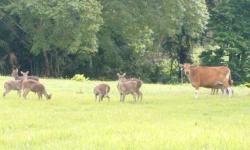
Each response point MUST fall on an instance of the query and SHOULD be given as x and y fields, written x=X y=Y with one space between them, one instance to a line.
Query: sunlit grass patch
x=168 y=118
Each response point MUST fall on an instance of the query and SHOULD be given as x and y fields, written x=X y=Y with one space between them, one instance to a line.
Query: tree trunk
x=47 y=66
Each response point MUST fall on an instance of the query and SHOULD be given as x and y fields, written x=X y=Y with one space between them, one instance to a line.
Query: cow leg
x=225 y=91
x=230 y=91
x=222 y=90
x=217 y=91
x=212 y=91
x=196 y=93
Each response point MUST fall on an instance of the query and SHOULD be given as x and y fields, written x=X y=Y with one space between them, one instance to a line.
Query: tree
x=230 y=27
x=59 y=25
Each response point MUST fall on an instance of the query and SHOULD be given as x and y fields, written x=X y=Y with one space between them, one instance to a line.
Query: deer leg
x=134 y=96
x=123 y=97
x=5 y=92
x=140 y=95
x=99 y=98
x=40 y=95
x=19 y=93
x=95 y=97
x=25 y=93
x=102 y=96
x=108 y=98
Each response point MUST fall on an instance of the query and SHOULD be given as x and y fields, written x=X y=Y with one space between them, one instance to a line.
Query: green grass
x=168 y=118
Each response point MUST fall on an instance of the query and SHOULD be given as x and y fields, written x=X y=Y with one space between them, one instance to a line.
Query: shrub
x=79 y=77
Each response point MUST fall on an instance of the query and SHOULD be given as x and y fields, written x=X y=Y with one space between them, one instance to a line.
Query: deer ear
x=118 y=74
x=22 y=72
x=181 y=65
x=27 y=72
x=124 y=74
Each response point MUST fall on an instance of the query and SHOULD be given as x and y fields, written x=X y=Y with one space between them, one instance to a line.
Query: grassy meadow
x=168 y=118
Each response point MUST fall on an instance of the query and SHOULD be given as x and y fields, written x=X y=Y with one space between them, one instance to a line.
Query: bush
x=79 y=77
x=247 y=85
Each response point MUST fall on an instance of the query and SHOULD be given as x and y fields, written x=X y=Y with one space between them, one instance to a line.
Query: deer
x=34 y=86
x=17 y=77
x=10 y=85
x=15 y=85
x=101 y=91
x=128 y=86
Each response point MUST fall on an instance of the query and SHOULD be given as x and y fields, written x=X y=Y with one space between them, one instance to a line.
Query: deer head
x=121 y=77
x=25 y=75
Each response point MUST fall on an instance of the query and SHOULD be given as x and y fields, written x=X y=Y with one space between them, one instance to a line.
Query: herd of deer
x=27 y=83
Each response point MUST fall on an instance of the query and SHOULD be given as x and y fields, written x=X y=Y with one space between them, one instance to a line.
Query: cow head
x=186 y=67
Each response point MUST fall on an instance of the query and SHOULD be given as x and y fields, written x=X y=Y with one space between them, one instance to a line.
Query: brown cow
x=208 y=77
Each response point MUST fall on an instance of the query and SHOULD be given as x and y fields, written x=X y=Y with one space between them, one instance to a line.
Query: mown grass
x=168 y=118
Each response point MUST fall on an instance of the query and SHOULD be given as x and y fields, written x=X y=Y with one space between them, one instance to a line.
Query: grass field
x=168 y=118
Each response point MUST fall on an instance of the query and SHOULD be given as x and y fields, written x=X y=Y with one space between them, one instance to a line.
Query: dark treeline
x=146 y=39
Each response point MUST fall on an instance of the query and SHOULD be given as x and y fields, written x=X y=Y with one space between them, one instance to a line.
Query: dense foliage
x=146 y=39
x=230 y=42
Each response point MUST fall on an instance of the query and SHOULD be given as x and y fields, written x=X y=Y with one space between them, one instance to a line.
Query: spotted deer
x=129 y=86
x=36 y=87
x=14 y=85
x=101 y=91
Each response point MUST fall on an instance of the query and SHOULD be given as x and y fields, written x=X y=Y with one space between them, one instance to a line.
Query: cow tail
x=230 y=81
